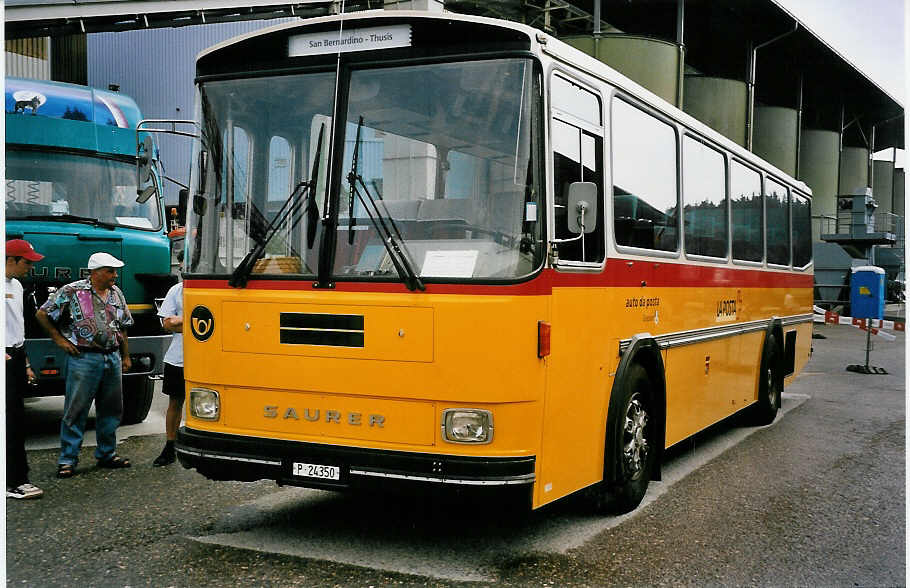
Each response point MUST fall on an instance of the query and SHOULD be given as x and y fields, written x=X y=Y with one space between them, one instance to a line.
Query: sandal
x=65 y=470
x=114 y=463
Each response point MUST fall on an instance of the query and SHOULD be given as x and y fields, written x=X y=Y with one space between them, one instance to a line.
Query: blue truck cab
x=72 y=189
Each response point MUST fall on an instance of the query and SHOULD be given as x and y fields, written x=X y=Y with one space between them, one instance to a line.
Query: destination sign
x=369 y=39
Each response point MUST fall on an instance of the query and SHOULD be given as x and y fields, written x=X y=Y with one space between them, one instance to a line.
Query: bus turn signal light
x=543 y=339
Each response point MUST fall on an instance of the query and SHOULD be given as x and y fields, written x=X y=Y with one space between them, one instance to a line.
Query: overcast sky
x=869 y=33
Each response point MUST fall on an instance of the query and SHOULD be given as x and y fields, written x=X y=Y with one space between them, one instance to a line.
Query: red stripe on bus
x=633 y=273
x=619 y=273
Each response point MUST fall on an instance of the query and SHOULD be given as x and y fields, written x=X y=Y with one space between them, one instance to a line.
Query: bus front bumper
x=219 y=456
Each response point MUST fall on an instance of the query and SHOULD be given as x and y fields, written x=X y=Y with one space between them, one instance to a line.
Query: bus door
x=576 y=399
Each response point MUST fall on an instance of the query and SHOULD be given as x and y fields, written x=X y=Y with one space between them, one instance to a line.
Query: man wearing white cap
x=89 y=319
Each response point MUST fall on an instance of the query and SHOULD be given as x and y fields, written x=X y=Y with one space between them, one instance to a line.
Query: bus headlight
x=205 y=404
x=467 y=425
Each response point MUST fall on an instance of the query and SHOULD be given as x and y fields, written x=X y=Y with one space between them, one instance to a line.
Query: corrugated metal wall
x=155 y=67
x=28 y=58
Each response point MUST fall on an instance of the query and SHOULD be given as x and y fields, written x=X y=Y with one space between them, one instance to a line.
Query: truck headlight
x=467 y=425
x=205 y=404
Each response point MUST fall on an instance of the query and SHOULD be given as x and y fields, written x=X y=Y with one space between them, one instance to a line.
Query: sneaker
x=24 y=491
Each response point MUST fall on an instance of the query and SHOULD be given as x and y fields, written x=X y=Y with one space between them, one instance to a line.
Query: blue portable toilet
x=867 y=292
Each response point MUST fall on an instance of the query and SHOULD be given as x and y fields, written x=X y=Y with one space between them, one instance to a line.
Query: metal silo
x=818 y=159
x=899 y=207
x=653 y=63
x=854 y=170
x=720 y=103
x=775 y=136
x=882 y=184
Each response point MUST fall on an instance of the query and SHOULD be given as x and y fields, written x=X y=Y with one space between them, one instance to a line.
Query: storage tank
x=720 y=103
x=882 y=184
x=818 y=157
x=899 y=196
x=774 y=138
x=653 y=63
x=854 y=170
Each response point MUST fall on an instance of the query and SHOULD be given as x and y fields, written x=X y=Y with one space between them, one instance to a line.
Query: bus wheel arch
x=637 y=409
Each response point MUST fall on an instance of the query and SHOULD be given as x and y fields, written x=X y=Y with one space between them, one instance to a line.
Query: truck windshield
x=442 y=157
x=44 y=185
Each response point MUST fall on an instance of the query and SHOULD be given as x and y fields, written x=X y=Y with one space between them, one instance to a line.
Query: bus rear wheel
x=137 y=399
x=634 y=454
x=769 y=389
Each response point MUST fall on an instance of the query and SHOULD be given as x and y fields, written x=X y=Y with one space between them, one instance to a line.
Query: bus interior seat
x=624 y=230
x=444 y=217
x=401 y=210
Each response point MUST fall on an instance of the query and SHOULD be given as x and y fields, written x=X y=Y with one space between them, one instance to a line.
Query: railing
x=825 y=224
x=887 y=222
x=884 y=222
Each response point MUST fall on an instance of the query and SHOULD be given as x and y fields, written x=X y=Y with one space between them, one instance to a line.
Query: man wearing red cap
x=20 y=255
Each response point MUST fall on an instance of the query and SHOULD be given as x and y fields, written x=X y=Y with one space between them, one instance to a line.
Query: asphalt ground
x=815 y=499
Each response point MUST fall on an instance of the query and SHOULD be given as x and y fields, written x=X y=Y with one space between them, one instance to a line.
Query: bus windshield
x=442 y=158
x=47 y=185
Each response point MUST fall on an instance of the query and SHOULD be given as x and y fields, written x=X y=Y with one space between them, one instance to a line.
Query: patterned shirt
x=85 y=320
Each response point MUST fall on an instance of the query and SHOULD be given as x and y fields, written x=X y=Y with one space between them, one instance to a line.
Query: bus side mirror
x=582 y=209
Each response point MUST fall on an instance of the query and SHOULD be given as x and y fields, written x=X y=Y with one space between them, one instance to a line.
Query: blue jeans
x=91 y=376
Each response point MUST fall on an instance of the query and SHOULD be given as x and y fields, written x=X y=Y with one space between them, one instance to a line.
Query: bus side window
x=777 y=205
x=746 y=203
x=704 y=199
x=801 y=234
x=577 y=157
x=645 y=209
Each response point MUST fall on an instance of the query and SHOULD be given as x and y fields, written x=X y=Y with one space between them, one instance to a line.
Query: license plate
x=315 y=470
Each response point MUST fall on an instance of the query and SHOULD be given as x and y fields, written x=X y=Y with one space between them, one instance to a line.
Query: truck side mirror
x=582 y=208
x=182 y=197
x=144 y=157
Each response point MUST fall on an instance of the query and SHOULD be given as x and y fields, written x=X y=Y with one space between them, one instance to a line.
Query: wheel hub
x=772 y=392
x=635 y=440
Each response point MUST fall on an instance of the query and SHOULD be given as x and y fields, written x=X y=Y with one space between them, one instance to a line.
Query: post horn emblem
x=202 y=323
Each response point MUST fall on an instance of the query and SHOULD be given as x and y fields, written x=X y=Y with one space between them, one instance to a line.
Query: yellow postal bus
x=448 y=250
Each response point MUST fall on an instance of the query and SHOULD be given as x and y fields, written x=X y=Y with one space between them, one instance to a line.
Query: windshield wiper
x=300 y=197
x=68 y=218
x=393 y=246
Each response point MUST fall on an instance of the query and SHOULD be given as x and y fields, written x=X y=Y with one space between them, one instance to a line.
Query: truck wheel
x=636 y=450
x=769 y=389
x=137 y=399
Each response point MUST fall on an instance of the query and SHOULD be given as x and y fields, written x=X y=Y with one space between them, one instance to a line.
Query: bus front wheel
x=633 y=456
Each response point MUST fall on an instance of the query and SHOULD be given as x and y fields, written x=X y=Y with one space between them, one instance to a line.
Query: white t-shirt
x=15 y=321
x=173 y=306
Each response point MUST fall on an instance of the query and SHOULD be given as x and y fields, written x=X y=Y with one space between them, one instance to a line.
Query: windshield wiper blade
x=352 y=179
x=403 y=264
x=300 y=197
x=241 y=273
x=69 y=218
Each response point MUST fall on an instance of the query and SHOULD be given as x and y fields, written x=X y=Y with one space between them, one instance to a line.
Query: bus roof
x=40 y=112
